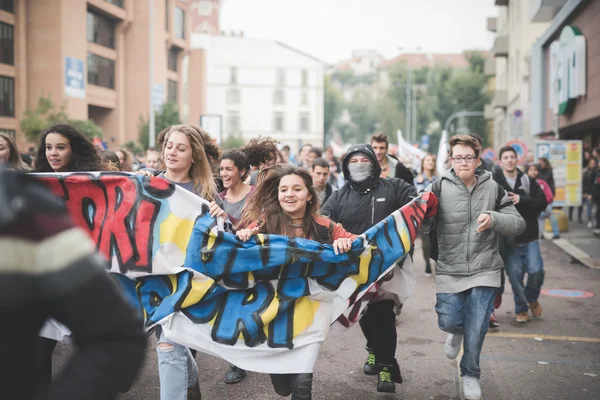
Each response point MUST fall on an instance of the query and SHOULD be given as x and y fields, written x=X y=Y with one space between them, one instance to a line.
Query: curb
x=576 y=253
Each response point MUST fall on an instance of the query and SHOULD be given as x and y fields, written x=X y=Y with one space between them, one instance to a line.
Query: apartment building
x=94 y=56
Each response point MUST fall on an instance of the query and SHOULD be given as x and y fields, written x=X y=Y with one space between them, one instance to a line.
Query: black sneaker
x=370 y=367
x=282 y=383
x=384 y=381
x=235 y=375
x=428 y=270
x=194 y=393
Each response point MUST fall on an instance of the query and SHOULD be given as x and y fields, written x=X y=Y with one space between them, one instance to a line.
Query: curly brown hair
x=263 y=206
x=261 y=150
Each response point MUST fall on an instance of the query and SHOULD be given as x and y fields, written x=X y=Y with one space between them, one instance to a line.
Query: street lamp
x=412 y=135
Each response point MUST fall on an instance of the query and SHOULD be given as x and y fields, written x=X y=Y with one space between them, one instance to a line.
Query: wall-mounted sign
x=565 y=156
x=567 y=70
x=74 y=78
x=516 y=123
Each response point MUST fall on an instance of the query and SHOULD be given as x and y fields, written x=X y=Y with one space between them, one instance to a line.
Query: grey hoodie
x=461 y=250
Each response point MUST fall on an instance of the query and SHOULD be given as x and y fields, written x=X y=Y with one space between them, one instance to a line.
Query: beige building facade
x=94 y=57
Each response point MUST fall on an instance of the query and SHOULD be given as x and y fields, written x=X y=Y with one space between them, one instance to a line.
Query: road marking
x=545 y=337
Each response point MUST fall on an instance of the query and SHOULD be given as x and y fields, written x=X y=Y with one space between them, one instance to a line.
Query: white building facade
x=261 y=87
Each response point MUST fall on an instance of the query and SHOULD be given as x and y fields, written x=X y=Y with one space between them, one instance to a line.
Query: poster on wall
x=565 y=157
x=74 y=78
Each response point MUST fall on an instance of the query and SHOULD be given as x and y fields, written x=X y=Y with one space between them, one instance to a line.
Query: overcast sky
x=331 y=29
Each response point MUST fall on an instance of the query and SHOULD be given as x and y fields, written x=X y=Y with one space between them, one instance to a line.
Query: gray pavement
x=556 y=357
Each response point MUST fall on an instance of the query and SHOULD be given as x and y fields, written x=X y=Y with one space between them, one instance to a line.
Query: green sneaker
x=370 y=367
x=384 y=381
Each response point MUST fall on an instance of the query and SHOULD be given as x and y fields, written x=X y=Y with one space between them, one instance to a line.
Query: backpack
x=547 y=191
x=436 y=188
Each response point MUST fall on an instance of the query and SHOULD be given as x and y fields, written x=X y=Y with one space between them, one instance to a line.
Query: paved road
x=569 y=351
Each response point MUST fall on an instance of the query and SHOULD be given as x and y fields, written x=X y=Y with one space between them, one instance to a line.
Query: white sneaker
x=453 y=345
x=471 y=388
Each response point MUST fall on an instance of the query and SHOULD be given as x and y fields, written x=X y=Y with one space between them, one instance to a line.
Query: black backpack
x=436 y=188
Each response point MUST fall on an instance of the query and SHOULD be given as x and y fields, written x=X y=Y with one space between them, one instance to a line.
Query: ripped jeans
x=177 y=370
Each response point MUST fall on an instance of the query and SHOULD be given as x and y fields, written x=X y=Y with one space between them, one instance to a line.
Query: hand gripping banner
x=264 y=305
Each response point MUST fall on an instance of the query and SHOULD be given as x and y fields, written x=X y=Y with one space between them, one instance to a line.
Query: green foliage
x=45 y=114
x=233 y=142
x=333 y=104
x=167 y=115
x=134 y=148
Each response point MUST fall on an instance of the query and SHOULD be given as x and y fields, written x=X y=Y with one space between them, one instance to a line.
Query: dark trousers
x=298 y=385
x=42 y=373
x=597 y=203
x=579 y=213
x=379 y=327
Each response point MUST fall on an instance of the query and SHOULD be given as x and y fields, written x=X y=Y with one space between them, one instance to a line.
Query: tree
x=333 y=105
x=45 y=114
x=233 y=142
x=167 y=115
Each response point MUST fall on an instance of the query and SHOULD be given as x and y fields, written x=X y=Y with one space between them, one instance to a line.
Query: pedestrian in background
x=390 y=166
x=427 y=176
x=125 y=160
x=470 y=219
x=533 y=172
x=320 y=174
x=594 y=194
x=588 y=177
x=9 y=153
x=261 y=153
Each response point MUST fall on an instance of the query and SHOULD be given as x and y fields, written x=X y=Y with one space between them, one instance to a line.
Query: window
x=280 y=77
x=167 y=15
x=100 y=30
x=304 y=100
x=279 y=97
x=233 y=96
x=101 y=71
x=304 y=122
x=172 y=91
x=179 y=23
x=172 y=58
x=118 y=3
x=7 y=97
x=233 y=78
x=7 y=48
x=10 y=132
x=233 y=123
x=278 y=122
x=7 y=5
x=304 y=78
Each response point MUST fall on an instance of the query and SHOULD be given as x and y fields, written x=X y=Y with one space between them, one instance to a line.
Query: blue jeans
x=520 y=260
x=467 y=313
x=553 y=221
x=177 y=370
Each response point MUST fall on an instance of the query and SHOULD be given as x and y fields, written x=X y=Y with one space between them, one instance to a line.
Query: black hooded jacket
x=531 y=203
x=360 y=205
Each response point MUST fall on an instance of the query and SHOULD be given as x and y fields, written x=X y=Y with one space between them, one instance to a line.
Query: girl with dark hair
x=285 y=203
x=125 y=160
x=9 y=153
x=63 y=148
x=545 y=173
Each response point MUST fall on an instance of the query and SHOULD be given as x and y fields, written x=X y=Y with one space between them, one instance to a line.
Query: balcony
x=489 y=67
x=501 y=2
x=545 y=10
x=500 y=99
x=500 y=48
x=492 y=22
x=488 y=111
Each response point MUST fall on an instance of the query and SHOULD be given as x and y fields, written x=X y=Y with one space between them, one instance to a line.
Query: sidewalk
x=580 y=243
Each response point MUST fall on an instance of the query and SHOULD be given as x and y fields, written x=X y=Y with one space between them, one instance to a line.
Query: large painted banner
x=264 y=305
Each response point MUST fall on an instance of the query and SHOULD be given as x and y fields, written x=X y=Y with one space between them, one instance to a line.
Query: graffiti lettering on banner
x=272 y=296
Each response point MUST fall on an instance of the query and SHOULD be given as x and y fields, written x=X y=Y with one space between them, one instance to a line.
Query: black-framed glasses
x=467 y=159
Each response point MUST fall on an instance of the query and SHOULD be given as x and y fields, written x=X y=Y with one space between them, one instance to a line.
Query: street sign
x=489 y=154
x=520 y=148
x=74 y=78
x=565 y=157
x=425 y=142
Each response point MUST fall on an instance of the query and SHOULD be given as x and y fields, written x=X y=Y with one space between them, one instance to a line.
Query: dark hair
x=27 y=159
x=505 y=149
x=320 y=162
x=465 y=140
x=317 y=151
x=477 y=137
x=260 y=150
x=532 y=166
x=83 y=153
x=380 y=138
x=303 y=146
x=110 y=158
x=152 y=148
x=546 y=163
x=263 y=206
x=240 y=160
x=285 y=148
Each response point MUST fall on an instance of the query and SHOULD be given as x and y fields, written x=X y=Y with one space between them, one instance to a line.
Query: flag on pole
x=442 y=153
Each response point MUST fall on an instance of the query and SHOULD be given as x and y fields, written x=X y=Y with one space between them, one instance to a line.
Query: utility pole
x=414 y=113
x=408 y=103
x=151 y=129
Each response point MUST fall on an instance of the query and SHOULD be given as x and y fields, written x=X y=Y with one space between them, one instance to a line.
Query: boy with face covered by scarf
x=362 y=202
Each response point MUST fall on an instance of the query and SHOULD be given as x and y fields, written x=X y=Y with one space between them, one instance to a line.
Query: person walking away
x=594 y=196
x=362 y=202
x=320 y=174
x=533 y=172
x=523 y=253
x=469 y=220
x=187 y=166
x=588 y=203
x=43 y=275
x=285 y=203
x=547 y=176
x=427 y=176
x=390 y=166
